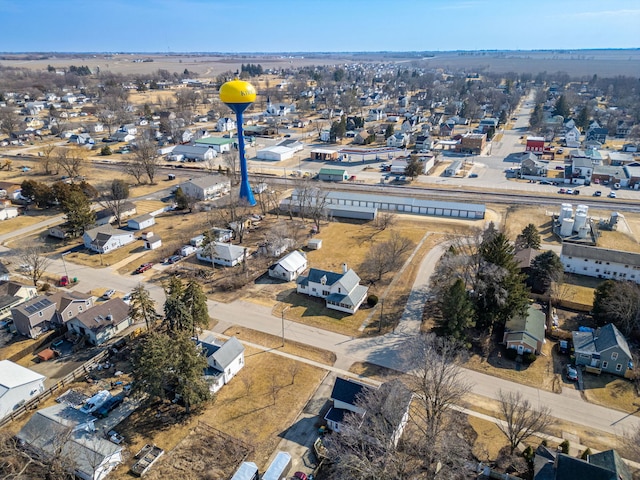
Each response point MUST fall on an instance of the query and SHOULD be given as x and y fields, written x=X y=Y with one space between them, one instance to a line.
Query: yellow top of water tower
x=237 y=91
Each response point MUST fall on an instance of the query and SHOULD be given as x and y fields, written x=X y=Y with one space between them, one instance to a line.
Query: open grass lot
x=254 y=408
x=612 y=392
x=519 y=217
x=275 y=343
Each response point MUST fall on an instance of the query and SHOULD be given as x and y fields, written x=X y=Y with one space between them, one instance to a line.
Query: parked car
x=562 y=190
x=108 y=406
x=473 y=175
x=597 y=193
x=560 y=150
x=144 y=267
x=108 y=294
x=174 y=259
x=612 y=195
x=571 y=372
x=300 y=475
x=576 y=192
x=569 y=191
x=545 y=182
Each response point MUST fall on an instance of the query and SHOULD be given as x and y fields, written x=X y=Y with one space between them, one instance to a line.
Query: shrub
x=529 y=358
x=372 y=300
x=585 y=454
x=528 y=453
x=511 y=353
x=106 y=150
x=564 y=447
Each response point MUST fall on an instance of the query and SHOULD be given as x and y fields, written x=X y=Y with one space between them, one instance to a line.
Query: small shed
x=152 y=242
x=187 y=250
x=332 y=174
x=314 y=244
x=279 y=468
x=453 y=169
x=141 y=222
x=46 y=354
x=246 y=471
x=324 y=154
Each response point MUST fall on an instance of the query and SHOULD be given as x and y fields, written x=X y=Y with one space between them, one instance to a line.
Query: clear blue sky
x=315 y=25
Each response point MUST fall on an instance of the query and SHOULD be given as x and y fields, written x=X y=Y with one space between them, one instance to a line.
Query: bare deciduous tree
x=521 y=420
x=9 y=120
x=232 y=162
x=385 y=220
x=37 y=262
x=233 y=212
x=69 y=160
x=115 y=198
x=386 y=257
x=47 y=158
x=147 y=157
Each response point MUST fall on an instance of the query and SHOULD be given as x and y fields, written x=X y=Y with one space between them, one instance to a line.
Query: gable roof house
x=205 y=188
x=62 y=429
x=549 y=464
x=530 y=165
x=605 y=349
x=18 y=384
x=341 y=291
x=597 y=134
x=69 y=304
x=393 y=403
x=572 y=138
x=289 y=267
x=105 y=239
x=525 y=333
x=224 y=254
x=398 y=140
x=13 y=294
x=34 y=317
x=225 y=360
x=101 y=322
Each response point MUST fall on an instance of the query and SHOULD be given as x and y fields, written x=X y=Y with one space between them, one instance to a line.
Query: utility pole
x=283 y=310
x=381 y=313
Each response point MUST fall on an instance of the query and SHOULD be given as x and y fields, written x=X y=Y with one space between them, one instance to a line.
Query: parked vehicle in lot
x=569 y=191
x=597 y=193
x=108 y=294
x=108 y=406
x=612 y=195
x=576 y=192
x=572 y=373
x=144 y=267
x=560 y=150
x=562 y=190
x=300 y=475
x=473 y=175
x=174 y=259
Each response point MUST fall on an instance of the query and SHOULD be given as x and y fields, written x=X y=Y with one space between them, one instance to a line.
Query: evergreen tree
x=196 y=302
x=389 y=131
x=413 y=168
x=535 y=121
x=561 y=107
x=544 y=269
x=582 y=121
x=182 y=202
x=188 y=372
x=142 y=306
x=77 y=208
x=457 y=311
x=529 y=238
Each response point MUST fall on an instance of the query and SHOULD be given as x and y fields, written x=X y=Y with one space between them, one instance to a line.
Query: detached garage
x=141 y=222
x=276 y=153
x=332 y=174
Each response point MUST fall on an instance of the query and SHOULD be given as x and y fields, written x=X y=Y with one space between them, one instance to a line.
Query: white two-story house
x=341 y=291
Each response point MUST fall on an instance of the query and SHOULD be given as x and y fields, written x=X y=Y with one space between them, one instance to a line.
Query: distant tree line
x=251 y=70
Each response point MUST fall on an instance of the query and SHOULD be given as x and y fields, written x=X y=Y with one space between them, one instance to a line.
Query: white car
x=108 y=294
x=612 y=194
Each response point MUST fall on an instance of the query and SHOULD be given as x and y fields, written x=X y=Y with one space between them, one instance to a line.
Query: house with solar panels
x=34 y=317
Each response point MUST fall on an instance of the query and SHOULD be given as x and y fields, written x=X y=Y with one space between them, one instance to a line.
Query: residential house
x=362 y=137
x=531 y=166
x=34 y=317
x=224 y=254
x=206 y=188
x=394 y=403
x=487 y=124
x=572 y=138
x=525 y=333
x=142 y=222
x=341 y=291
x=535 y=145
x=325 y=135
x=447 y=129
x=581 y=170
x=375 y=115
x=58 y=231
x=398 y=140
x=13 y=294
x=69 y=304
x=81 y=139
x=332 y=174
x=105 y=239
x=121 y=136
x=101 y=322
x=18 y=385
x=597 y=134
x=106 y=215
x=551 y=464
x=224 y=359
x=623 y=128
x=290 y=266
x=424 y=142
x=279 y=109
x=604 y=348
x=600 y=262
x=64 y=430
x=226 y=124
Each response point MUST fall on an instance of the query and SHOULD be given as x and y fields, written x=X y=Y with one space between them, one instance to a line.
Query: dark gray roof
x=601 y=340
x=35 y=305
x=569 y=468
x=97 y=317
x=610 y=460
x=602 y=254
x=347 y=390
x=3 y=269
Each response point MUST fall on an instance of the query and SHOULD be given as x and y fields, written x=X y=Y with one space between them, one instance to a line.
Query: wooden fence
x=70 y=378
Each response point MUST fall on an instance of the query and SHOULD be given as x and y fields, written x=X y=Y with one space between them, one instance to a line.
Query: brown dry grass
x=618 y=241
x=612 y=392
x=517 y=218
x=275 y=343
x=539 y=374
x=254 y=410
x=489 y=440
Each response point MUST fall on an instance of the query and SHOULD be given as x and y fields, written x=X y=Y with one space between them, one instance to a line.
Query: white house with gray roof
x=64 y=430
x=600 y=262
x=289 y=267
x=205 y=188
x=341 y=291
x=604 y=348
x=18 y=384
x=224 y=360
x=105 y=238
x=224 y=254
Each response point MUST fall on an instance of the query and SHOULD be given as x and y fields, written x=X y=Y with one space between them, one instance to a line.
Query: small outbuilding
x=289 y=267
x=314 y=244
x=141 y=222
x=332 y=174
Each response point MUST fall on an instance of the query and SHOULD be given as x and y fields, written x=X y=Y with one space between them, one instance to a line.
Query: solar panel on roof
x=39 y=305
